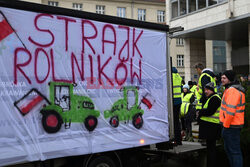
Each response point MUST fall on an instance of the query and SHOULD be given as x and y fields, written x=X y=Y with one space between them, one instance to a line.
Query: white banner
x=71 y=86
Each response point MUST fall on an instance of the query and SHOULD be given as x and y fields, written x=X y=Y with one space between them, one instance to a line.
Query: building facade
x=216 y=33
x=144 y=10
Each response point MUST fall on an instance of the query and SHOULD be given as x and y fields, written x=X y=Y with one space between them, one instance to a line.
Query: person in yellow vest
x=187 y=112
x=206 y=76
x=177 y=81
x=209 y=126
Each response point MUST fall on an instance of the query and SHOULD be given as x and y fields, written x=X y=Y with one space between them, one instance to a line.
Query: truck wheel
x=51 y=121
x=102 y=161
x=90 y=123
x=137 y=120
x=114 y=121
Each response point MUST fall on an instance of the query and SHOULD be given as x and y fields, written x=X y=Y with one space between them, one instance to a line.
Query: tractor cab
x=130 y=97
x=62 y=96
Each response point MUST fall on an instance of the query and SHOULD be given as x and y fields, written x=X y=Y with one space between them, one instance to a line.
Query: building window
x=192 y=6
x=179 y=41
x=212 y=2
x=77 y=6
x=100 y=9
x=175 y=9
x=160 y=16
x=219 y=56
x=201 y=4
x=52 y=3
x=180 y=60
x=121 y=12
x=183 y=7
x=142 y=14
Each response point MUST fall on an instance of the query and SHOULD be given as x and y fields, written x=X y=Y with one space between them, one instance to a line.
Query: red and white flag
x=30 y=101
x=5 y=28
x=148 y=100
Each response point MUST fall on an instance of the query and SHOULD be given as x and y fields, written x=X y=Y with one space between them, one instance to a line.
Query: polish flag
x=5 y=28
x=32 y=100
x=148 y=100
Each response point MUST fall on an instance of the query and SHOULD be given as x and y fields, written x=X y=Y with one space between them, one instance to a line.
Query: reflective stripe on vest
x=215 y=117
x=176 y=85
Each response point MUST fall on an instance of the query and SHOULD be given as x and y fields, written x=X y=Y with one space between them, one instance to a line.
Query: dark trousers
x=189 y=118
x=231 y=137
x=177 y=127
x=211 y=153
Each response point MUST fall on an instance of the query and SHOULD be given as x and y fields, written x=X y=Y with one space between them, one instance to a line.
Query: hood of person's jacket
x=208 y=71
x=238 y=87
x=174 y=70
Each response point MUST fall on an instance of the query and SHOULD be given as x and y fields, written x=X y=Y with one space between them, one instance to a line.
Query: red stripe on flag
x=5 y=29
x=31 y=104
x=147 y=102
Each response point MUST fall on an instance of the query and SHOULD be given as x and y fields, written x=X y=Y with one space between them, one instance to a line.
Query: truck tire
x=51 y=121
x=114 y=121
x=90 y=123
x=101 y=161
x=137 y=121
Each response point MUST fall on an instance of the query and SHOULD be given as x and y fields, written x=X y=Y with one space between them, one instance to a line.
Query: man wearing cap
x=210 y=128
x=232 y=117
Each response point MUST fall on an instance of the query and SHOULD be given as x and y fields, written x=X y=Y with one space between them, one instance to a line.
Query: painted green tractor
x=65 y=107
x=123 y=110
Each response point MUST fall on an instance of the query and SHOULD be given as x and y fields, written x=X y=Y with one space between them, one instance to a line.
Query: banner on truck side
x=71 y=86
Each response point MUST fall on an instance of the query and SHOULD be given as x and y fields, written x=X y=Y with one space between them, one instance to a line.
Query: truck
x=108 y=80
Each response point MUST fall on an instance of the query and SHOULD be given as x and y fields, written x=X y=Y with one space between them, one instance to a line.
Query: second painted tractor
x=125 y=110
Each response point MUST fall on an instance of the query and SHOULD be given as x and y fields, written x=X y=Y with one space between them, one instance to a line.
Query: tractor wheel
x=90 y=123
x=51 y=121
x=137 y=120
x=114 y=121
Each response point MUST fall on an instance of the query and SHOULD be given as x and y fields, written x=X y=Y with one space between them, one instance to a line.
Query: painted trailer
x=90 y=66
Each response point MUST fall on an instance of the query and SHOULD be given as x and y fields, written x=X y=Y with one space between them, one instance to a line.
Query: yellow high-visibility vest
x=193 y=89
x=215 y=117
x=185 y=103
x=199 y=93
x=176 y=85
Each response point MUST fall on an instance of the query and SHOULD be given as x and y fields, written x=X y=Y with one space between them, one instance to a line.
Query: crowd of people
x=217 y=103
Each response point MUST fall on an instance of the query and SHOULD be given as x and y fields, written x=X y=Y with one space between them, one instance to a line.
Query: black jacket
x=209 y=130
